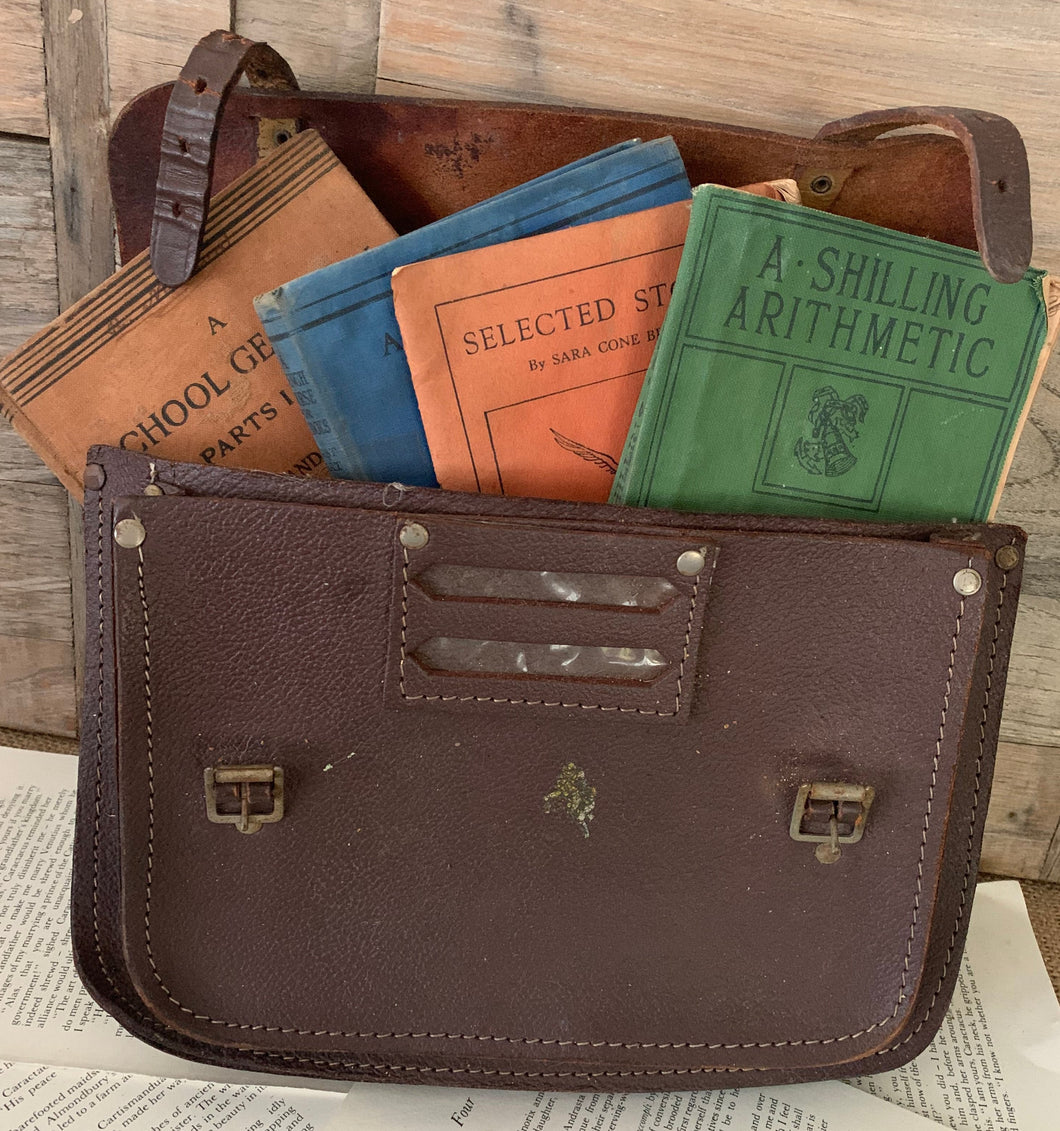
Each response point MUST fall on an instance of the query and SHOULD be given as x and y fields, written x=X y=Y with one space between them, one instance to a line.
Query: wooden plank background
x=71 y=65
x=22 y=103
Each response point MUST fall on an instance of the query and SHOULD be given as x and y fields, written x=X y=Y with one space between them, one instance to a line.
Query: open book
x=65 y=1064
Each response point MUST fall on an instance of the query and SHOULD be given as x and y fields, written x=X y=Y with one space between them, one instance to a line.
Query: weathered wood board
x=36 y=643
x=23 y=109
x=149 y=40
x=1022 y=837
x=28 y=291
x=330 y=46
x=18 y=464
x=1032 y=500
x=75 y=42
x=790 y=66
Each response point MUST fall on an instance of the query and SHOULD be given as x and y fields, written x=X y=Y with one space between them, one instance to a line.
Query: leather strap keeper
x=189 y=142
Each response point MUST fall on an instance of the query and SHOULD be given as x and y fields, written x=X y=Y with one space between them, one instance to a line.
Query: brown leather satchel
x=755 y=867
x=542 y=794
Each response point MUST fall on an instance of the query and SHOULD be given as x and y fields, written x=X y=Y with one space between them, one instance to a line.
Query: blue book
x=337 y=337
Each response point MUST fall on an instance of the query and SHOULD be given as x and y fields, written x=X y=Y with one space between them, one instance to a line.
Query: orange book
x=528 y=357
x=188 y=372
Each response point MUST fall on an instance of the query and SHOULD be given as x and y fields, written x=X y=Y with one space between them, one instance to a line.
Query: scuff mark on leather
x=460 y=153
x=331 y=765
x=576 y=796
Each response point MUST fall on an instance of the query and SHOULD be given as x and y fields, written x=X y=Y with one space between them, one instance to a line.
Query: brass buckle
x=243 y=777
x=838 y=794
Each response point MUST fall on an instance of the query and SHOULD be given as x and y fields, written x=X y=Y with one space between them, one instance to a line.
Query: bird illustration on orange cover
x=583 y=451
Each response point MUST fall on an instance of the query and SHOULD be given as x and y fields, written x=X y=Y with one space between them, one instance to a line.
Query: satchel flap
x=518 y=892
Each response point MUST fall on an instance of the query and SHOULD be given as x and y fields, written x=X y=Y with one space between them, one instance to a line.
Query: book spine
x=1050 y=292
x=312 y=394
x=632 y=479
x=622 y=488
x=630 y=487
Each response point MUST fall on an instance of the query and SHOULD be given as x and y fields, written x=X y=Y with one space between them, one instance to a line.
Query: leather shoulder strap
x=1000 y=180
x=1001 y=183
x=189 y=140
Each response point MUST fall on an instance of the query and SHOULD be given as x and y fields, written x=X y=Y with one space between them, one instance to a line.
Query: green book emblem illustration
x=835 y=425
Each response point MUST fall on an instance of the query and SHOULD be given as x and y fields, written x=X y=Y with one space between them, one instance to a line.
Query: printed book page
x=46 y=1015
x=38 y=1096
x=796 y=1107
x=995 y=1064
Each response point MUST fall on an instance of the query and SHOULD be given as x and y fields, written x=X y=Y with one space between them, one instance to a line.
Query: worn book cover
x=338 y=338
x=187 y=372
x=527 y=357
x=811 y=364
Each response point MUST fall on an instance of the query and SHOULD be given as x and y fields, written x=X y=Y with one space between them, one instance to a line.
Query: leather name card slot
x=452 y=655
x=508 y=615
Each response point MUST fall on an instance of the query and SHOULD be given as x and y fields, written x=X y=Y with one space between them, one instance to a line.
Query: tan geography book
x=187 y=372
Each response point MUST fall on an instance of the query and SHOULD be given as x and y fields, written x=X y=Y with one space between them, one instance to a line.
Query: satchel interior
x=397 y=784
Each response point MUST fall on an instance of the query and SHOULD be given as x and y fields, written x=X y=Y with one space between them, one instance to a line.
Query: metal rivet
x=153 y=489
x=821 y=185
x=827 y=853
x=129 y=533
x=691 y=562
x=1007 y=557
x=967 y=582
x=413 y=536
x=95 y=477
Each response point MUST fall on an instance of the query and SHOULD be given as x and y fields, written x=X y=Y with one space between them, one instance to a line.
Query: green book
x=815 y=365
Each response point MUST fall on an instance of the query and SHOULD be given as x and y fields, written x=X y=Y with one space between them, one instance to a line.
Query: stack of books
x=604 y=333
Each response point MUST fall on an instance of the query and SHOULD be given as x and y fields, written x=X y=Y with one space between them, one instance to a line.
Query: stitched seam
x=536 y=702
x=118 y=995
x=422 y=1069
x=972 y=821
x=927 y=815
x=541 y=1040
x=99 y=766
x=150 y=770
